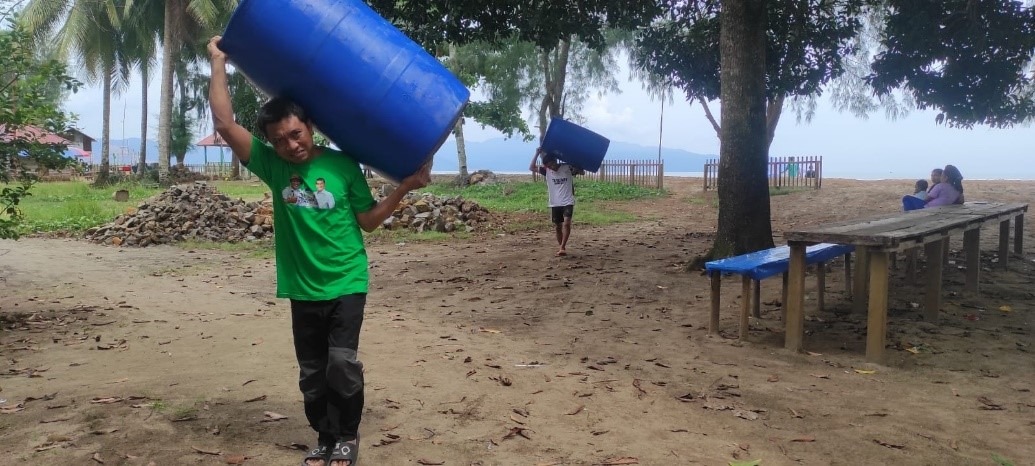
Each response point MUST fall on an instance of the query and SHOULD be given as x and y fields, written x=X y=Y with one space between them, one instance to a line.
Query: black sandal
x=321 y=452
x=345 y=450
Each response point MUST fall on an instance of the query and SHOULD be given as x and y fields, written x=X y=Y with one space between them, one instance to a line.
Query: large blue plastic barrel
x=574 y=144
x=377 y=94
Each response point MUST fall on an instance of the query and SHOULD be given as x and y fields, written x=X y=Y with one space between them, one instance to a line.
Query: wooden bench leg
x=933 y=288
x=795 y=320
x=848 y=276
x=945 y=251
x=745 y=306
x=1004 y=243
x=713 y=325
x=1018 y=235
x=756 y=299
x=893 y=258
x=911 y=265
x=821 y=284
x=783 y=297
x=972 y=248
x=862 y=265
x=877 y=320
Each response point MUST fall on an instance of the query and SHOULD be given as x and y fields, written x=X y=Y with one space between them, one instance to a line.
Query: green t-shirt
x=318 y=241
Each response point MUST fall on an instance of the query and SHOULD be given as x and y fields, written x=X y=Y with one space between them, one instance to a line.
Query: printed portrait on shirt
x=298 y=194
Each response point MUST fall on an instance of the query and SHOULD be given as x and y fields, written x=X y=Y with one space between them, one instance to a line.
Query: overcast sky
x=851 y=147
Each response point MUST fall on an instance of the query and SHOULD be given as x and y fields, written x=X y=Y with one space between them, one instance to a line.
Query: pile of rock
x=427 y=212
x=189 y=212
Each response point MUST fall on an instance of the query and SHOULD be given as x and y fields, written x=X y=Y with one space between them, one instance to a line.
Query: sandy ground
x=490 y=351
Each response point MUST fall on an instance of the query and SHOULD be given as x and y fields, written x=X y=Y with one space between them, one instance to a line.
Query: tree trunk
x=170 y=48
x=555 y=73
x=773 y=111
x=744 y=215
x=463 y=179
x=142 y=164
x=103 y=176
x=235 y=168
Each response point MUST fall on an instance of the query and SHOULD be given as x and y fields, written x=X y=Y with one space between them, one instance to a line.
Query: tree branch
x=773 y=110
x=711 y=118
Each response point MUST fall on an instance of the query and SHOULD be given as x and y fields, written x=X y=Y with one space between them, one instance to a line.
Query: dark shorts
x=561 y=213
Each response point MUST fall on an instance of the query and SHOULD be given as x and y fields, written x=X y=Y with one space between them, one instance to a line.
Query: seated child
x=920 y=189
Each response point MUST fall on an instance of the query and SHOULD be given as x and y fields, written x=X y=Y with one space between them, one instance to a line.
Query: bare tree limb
x=711 y=118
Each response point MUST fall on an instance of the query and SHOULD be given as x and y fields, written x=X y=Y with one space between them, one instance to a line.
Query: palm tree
x=184 y=21
x=142 y=32
x=90 y=33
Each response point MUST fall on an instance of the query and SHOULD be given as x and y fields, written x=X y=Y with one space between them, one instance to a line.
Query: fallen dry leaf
x=425 y=462
x=236 y=459
x=773 y=378
x=989 y=404
x=97 y=457
x=820 y=376
x=864 y=371
x=206 y=452
x=106 y=400
x=617 y=461
x=578 y=409
x=889 y=444
x=257 y=342
x=258 y=398
x=271 y=416
x=12 y=409
x=488 y=330
x=517 y=431
x=807 y=438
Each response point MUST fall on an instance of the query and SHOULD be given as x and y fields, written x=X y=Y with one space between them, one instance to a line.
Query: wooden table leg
x=893 y=258
x=862 y=265
x=848 y=276
x=877 y=320
x=745 y=306
x=821 y=284
x=1018 y=235
x=972 y=248
x=933 y=289
x=1004 y=243
x=756 y=299
x=783 y=298
x=795 y=322
x=911 y=265
x=713 y=325
x=945 y=251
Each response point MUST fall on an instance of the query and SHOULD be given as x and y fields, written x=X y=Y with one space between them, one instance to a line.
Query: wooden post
x=821 y=284
x=933 y=289
x=756 y=299
x=1004 y=243
x=862 y=266
x=1018 y=235
x=848 y=275
x=945 y=251
x=783 y=296
x=745 y=306
x=713 y=325
x=893 y=259
x=972 y=248
x=877 y=319
x=911 y=265
x=794 y=325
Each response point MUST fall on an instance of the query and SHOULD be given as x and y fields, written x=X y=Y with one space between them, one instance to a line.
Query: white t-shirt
x=560 y=185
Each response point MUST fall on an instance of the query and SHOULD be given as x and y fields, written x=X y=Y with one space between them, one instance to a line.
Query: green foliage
x=806 y=43
x=26 y=88
x=969 y=60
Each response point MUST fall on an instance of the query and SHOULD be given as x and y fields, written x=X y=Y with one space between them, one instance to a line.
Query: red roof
x=35 y=134
x=212 y=140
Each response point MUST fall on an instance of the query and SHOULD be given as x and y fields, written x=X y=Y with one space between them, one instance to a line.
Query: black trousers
x=326 y=335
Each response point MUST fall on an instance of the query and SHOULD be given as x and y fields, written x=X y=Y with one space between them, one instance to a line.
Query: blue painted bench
x=757 y=266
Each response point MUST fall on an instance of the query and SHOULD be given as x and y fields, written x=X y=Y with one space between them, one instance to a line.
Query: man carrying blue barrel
x=560 y=186
x=321 y=260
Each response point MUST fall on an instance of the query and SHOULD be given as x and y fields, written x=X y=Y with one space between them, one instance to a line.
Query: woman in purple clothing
x=949 y=191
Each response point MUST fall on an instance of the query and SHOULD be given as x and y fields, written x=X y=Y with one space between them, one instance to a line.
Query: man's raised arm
x=236 y=136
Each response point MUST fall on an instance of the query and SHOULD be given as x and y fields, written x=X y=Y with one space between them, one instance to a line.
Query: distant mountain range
x=501 y=155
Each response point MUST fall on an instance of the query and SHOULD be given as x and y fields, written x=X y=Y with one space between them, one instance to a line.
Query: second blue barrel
x=377 y=94
x=574 y=144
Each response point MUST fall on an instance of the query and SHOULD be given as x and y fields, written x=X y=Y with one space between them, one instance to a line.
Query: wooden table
x=877 y=239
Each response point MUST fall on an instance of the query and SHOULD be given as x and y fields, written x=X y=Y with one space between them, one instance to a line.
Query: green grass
x=531 y=197
x=74 y=206
x=247 y=190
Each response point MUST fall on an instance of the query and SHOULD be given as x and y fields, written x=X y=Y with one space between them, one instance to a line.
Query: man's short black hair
x=549 y=157
x=276 y=109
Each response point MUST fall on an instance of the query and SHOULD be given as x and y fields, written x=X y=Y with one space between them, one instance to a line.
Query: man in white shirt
x=560 y=186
